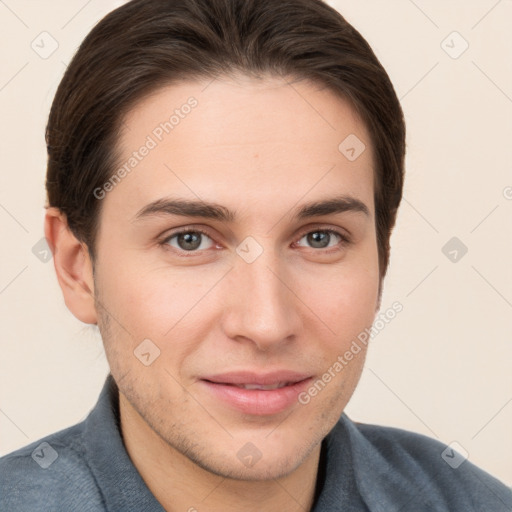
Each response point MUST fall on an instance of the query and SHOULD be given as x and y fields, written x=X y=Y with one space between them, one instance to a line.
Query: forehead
x=242 y=140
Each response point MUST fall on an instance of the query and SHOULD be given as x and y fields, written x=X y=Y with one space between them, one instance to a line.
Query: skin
x=262 y=148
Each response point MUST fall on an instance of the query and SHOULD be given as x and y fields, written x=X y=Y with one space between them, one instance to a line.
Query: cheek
x=164 y=305
x=147 y=298
x=343 y=298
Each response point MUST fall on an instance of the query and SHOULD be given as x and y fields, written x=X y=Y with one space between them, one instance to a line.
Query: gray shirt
x=362 y=468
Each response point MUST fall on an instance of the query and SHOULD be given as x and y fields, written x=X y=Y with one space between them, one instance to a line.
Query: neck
x=181 y=485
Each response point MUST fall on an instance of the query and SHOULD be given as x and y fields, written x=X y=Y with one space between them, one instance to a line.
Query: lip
x=257 y=401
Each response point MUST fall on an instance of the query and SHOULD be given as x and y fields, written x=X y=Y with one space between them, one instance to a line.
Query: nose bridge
x=262 y=308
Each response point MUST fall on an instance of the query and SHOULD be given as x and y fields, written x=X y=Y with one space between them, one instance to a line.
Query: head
x=222 y=187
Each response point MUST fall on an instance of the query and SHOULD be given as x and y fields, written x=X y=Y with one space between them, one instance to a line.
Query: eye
x=190 y=240
x=322 y=238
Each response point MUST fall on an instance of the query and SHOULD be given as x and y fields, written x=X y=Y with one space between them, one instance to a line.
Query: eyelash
x=345 y=240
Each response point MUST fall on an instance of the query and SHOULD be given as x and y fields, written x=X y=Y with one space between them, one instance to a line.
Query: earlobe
x=73 y=266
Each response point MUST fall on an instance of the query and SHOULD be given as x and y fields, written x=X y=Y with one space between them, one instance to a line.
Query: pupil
x=317 y=238
x=190 y=241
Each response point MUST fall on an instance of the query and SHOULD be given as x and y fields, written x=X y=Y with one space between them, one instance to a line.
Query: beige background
x=442 y=367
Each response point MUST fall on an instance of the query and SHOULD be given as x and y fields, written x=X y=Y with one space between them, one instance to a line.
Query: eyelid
x=342 y=233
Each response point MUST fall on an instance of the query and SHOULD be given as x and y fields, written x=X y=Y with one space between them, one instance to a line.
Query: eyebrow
x=203 y=209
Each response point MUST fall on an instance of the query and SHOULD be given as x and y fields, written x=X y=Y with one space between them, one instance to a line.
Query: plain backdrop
x=442 y=367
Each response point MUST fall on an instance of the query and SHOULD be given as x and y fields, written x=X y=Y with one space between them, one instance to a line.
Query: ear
x=379 y=297
x=73 y=266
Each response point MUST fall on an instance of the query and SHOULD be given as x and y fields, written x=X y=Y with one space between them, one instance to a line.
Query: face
x=224 y=289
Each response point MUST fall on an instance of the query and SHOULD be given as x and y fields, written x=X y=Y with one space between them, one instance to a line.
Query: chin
x=262 y=470
x=252 y=461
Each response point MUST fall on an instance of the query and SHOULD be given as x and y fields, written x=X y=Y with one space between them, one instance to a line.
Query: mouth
x=257 y=394
x=267 y=387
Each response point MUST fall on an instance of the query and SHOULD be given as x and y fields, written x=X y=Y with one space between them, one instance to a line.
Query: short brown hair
x=146 y=44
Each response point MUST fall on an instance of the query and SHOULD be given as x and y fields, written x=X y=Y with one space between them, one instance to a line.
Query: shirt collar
x=383 y=484
x=120 y=483
x=337 y=487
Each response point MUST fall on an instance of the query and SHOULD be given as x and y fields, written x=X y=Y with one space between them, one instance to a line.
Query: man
x=223 y=179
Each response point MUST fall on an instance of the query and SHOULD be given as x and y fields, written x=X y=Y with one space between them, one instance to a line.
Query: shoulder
x=412 y=466
x=49 y=474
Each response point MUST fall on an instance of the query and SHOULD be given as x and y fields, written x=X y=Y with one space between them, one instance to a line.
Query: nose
x=263 y=307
